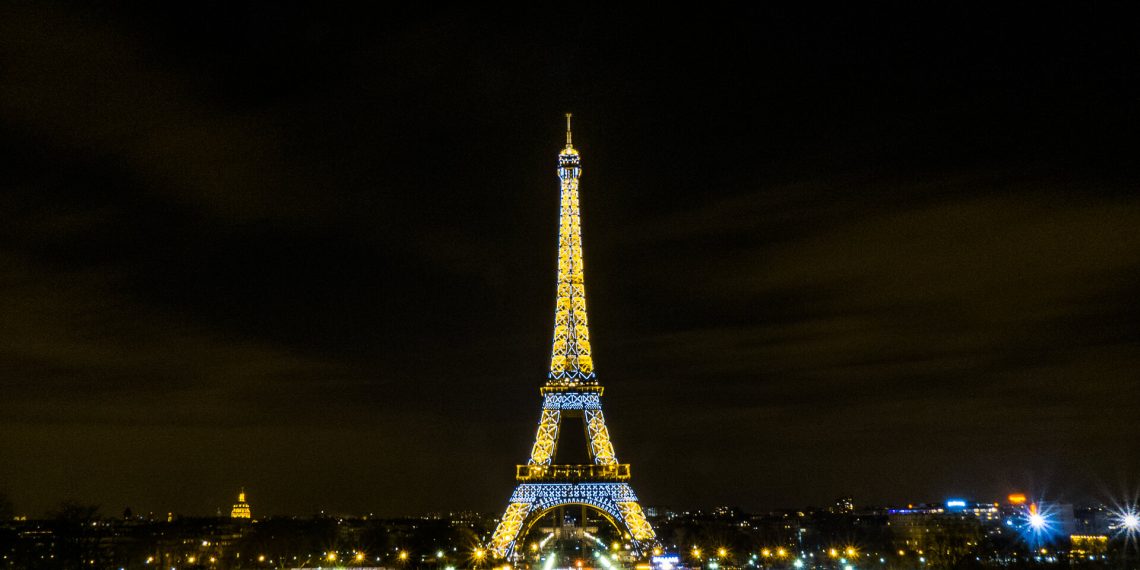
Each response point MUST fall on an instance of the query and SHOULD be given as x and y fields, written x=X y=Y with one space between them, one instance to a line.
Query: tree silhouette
x=77 y=536
x=7 y=510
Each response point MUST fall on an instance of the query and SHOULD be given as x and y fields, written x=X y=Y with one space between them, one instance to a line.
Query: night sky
x=311 y=252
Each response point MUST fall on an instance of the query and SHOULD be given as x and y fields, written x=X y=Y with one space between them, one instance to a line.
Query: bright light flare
x=1039 y=525
x=1126 y=521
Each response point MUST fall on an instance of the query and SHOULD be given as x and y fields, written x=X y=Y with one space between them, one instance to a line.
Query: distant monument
x=241 y=508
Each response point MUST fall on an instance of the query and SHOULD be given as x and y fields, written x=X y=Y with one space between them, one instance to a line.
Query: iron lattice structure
x=571 y=390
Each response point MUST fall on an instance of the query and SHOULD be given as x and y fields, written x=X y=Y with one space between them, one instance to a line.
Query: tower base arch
x=531 y=501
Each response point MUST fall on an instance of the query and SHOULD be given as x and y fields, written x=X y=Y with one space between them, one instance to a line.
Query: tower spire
x=569 y=144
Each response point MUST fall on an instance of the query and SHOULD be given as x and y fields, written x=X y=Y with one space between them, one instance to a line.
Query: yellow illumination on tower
x=570 y=359
x=600 y=446
x=508 y=529
x=635 y=519
x=543 y=451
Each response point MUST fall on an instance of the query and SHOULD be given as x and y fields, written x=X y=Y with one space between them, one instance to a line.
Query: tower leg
x=503 y=541
x=547 y=437
x=634 y=520
x=601 y=448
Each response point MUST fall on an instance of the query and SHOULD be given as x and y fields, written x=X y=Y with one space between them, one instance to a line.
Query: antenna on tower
x=568 y=145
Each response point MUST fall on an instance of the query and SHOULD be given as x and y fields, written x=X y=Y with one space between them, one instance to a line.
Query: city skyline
x=312 y=254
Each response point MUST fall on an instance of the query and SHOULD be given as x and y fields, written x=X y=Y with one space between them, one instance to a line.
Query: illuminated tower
x=241 y=508
x=571 y=391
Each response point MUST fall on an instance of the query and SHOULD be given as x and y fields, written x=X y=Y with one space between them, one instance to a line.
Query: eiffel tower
x=571 y=391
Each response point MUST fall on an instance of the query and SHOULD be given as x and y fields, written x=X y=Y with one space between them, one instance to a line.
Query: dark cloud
x=963 y=332
x=311 y=253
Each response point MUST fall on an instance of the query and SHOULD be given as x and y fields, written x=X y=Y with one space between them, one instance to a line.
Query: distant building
x=1064 y=516
x=844 y=505
x=725 y=512
x=1087 y=546
x=937 y=536
x=241 y=508
x=1094 y=520
x=988 y=513
x=661 y=514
